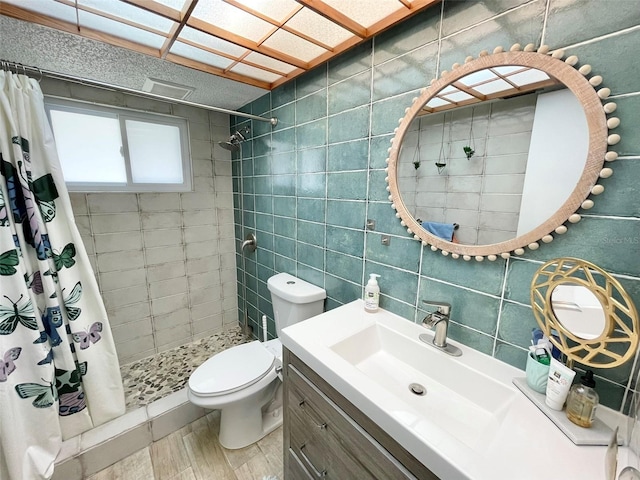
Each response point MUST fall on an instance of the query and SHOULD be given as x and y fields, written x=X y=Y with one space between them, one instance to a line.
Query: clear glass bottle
x=583 y=401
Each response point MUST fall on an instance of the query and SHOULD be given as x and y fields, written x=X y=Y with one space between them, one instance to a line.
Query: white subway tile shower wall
x=157 y=255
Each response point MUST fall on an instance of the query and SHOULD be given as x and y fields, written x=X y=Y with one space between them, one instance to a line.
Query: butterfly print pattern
x=35 y=282
x=85 y=339
x=48 y=358
x=46 y=395
x=65 y=258
x=71 y=403
x=9 y=260
x=7 y=367
x=52 y=319
x=74 y=297
x=11 y=317
x=4 y=216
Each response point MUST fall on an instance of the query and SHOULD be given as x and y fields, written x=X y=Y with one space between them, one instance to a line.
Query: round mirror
x=499 y=153
x=578 y=310
x=585 y=312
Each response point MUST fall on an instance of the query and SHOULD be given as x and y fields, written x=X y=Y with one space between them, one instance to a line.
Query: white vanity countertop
x=524 y=443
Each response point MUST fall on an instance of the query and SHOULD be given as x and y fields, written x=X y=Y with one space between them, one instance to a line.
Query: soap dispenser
x=582 y=401
x=372 y=294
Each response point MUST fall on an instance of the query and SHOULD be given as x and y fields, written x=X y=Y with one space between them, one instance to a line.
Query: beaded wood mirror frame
x=580 y=82
x=618 y=341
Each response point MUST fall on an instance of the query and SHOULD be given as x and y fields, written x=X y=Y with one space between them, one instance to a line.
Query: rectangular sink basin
x=458 y=398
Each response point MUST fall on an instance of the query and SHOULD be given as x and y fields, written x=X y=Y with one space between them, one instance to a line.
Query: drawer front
x=321 y=426
x=296 y=471
x=322 y=456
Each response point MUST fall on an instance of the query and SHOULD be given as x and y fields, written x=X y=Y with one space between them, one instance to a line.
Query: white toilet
x=243 y=382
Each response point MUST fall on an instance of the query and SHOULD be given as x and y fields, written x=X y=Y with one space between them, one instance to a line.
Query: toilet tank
x=294 y=300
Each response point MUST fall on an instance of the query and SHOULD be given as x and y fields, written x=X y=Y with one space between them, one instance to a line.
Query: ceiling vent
x=167 y=89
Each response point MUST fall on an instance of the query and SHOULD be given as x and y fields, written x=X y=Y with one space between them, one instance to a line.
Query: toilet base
x=240 y=428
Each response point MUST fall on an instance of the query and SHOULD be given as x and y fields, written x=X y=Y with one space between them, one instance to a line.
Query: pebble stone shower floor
x=157 y=376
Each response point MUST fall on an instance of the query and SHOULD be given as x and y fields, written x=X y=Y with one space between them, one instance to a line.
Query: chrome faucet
x=438 y=321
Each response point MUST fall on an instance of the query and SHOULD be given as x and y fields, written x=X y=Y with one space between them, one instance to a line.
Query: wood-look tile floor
x=194 y=453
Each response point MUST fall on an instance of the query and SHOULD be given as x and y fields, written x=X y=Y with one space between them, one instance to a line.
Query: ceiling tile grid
x=263 y=43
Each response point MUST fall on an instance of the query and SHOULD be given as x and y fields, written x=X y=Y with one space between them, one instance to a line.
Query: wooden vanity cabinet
x=325 y=436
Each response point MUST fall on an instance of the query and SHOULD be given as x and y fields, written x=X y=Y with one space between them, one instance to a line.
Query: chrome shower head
x=233 y=144
x=232 y=147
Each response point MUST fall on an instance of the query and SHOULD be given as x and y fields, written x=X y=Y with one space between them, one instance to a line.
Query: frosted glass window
x=154 y=152
x=85 y=156
x=115 y=149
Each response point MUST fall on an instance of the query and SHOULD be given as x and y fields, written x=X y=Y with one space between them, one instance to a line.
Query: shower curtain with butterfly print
x=59 y=373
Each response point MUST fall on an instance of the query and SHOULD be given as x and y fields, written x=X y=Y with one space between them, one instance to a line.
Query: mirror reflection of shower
x=233 y=144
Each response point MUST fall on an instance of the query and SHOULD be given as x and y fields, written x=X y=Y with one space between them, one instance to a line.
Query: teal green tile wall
x=310 y=183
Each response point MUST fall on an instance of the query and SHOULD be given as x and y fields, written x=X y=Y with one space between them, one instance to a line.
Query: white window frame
x=122 y=115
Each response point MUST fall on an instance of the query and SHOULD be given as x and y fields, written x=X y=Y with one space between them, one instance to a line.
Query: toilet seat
x=232 y=370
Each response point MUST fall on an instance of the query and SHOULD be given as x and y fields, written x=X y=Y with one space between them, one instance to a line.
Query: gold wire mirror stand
x=619 y=339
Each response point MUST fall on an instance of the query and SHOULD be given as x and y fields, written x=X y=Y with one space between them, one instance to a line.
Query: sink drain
x=417 y=389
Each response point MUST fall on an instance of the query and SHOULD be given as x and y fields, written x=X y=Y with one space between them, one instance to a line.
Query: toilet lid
x=232 y=369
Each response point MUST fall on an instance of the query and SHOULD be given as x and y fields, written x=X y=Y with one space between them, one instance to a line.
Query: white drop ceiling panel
x=494 y=86
x=290 y=44
x=278 y=10
x=175 y=4
x=232 y=19
x=256 y=73
x=199 y=55
x=120 y=30
x=507 y=70
x=211 y=42
x=130 y=13
x=448 y=89
x=366 y=12
x=318 y=27
x=270 y=63
x=478 y=77
x=458 y=97
x=528 y=77
x=263 y=43
x=50 y=8
x=437 y=102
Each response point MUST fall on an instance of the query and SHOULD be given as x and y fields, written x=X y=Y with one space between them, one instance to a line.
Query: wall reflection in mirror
x=493 y=155
x=578 y=309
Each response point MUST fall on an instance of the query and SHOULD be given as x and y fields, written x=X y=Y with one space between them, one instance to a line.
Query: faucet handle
x=443 y=307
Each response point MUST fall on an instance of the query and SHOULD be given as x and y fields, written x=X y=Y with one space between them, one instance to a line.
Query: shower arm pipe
x=139 y=93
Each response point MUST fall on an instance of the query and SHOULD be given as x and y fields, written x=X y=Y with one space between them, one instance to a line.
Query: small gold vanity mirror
x=466 y=175
x=595 y=319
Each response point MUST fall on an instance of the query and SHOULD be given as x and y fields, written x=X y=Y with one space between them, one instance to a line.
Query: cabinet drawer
x=321 y=426
x=322 y=455
x=296 y=470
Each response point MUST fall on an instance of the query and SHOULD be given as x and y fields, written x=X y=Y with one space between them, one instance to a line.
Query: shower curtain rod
x=18 y=67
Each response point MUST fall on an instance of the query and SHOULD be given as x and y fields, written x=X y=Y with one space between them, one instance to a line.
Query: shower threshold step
x=96 y=449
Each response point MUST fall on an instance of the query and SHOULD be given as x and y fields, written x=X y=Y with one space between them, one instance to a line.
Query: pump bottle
x=372 y=294
x=583 y=401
